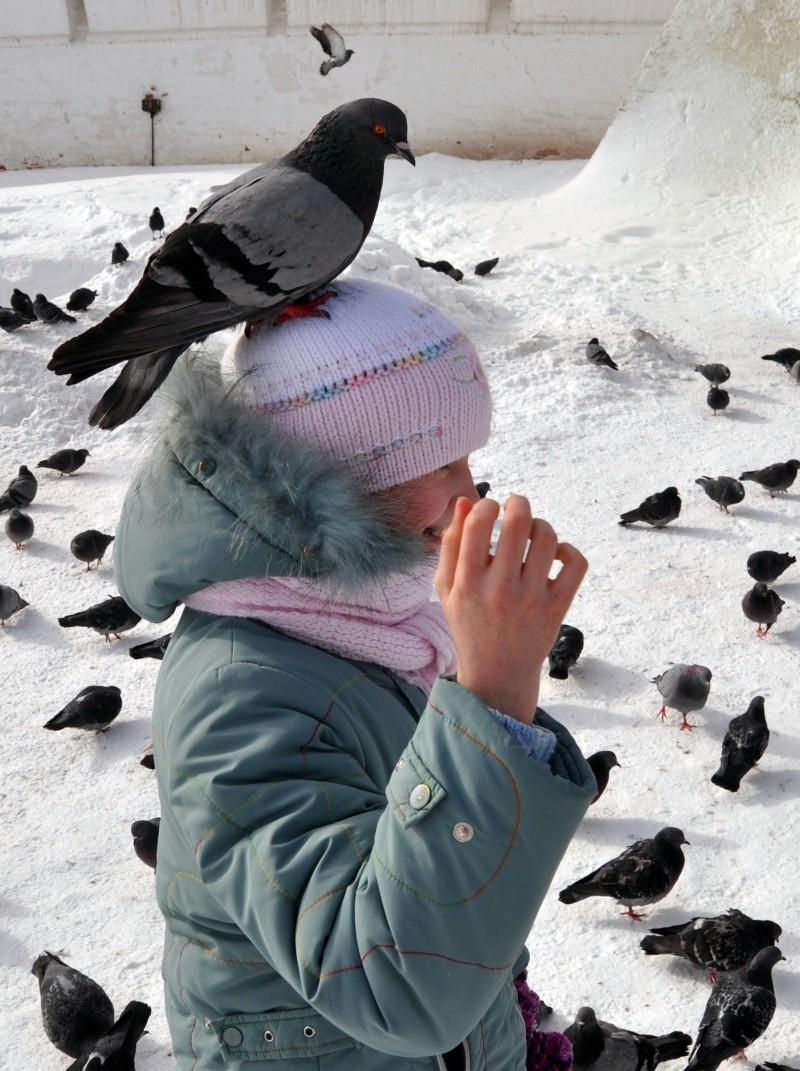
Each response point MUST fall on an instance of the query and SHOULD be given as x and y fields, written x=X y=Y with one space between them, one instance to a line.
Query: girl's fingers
x=574 y=567
x=476 y=538
x=451 y=547
x=514 y=535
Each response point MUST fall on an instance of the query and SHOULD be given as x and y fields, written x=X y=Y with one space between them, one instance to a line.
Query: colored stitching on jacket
x=415 y=952
x=172 y=880
x=321 y=721
x=226 y=959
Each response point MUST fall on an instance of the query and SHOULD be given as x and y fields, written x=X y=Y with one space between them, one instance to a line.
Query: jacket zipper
x=442 y=1066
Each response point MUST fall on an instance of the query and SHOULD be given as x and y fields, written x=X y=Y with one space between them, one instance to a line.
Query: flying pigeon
x=785 y=357
x=656 y=510
x=75 y=1010
x=486 y=266
x=66 y=461
x=738 y=1012
x=720 y=944
x=152 y=648
x=19 y=527
x=767 y=565
x=113 y=615
x=714 y=373
x=683 y=688
x=256 y=247
x=724 y=490
x=332 y=45
x=443 y=266
x=50 y=313
x=115 y=1050
x=119 y=254
x=601 y=764
x=81 y=299
x=21 y=302
x=762 y=605
x=717 y=399
x=744 y=743
x=156 y=222
x=598 y=355
x=601 y=1046
x=774 y=478
x=145 y=840
x=643 y=874
x=21 y=491
x=93 y=708
x=11 y=321
x=90 y=546
x=565 y=652
x=10 y=603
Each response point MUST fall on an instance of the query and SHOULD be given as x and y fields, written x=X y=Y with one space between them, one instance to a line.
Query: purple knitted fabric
x=547 y=1049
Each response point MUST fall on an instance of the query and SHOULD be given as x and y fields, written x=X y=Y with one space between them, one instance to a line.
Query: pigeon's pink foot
x=306 y=307
x=631 y=914
x=685 y=724
x=662 y=713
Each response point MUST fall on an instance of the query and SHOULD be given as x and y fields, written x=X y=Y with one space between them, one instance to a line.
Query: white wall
x=239 y=79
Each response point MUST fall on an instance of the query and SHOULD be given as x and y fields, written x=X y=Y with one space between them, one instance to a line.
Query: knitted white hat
x=389 y=385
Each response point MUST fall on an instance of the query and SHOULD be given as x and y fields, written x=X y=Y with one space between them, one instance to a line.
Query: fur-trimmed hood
x=224 y=495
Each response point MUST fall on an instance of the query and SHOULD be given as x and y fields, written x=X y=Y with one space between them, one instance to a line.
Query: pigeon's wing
x=336 y=46
x=323 y=38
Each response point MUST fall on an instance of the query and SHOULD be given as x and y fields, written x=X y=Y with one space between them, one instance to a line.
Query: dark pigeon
x=720 y=944
x=597 y=354
x=744 y=743
x=718 y=399
x=601 y=1046
x=714 y=373
x=785 y=357
x=483 y=487
x=256 y=247
x=148 y=760
x=443 y=266
x=657 y=510
x=565 y=652
x=724 y=490
x=767 y=565
x=774 y=478
x=643 y=874
x=65 y=462
x=11 y=321
x=21 y=302
x=75 y=1010
x=156 y=222
x=683 y=688
x=19 y=527
x=11 y=602
x=115 y=1050
x=81 y=299
x=486 y=266
x=738 y=1012
x=191 y=212
x=90 y=546
x=145 y=839
x=601 y=764
x=119 y=254
x=93 y=709
x=762 y=605
x=332 y=45
x=21 y=491
x=152 y=648
x=49 y=313
x=113 y=615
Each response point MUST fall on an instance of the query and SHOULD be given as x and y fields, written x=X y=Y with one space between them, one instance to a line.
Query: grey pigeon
x=19 y=527
x=738 y=1012
x=113 y=615
x=21 y=491
x=119 y=254
x=714 y=373
x=601 y=764
x=332 y=45
x=152 y=648
x=597 y=354
x=115 y=1050
x=724 y=490
x=156 y=222
x=21 y=303
x=75 y=1010
x=81 y=299
x=93 y=708
x=762 y=605
x=443 y=266
x=643 y=874
x=66 y=461
x=744 y=743
x=656 y=510
x=10 y=603
x=717 y=399
x=683 y=688
x=767 y=565
x=256 y=247
x=50 y=313
x=483 y=487
x=145 y=839
x=565 y=652
x=774 y=478
x=719 y=943
x=486 y=266
x=90 y=546
x=601 y=1046
x=11 y=321
x=785 y=357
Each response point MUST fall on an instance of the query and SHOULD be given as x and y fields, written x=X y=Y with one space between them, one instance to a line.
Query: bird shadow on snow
x=752 y=513
x=744 y=416
x=121 y=741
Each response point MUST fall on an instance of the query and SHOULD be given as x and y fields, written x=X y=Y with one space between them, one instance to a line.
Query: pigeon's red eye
x=379 y=128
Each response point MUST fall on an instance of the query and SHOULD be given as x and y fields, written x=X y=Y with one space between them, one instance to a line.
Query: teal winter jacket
x=347 y=870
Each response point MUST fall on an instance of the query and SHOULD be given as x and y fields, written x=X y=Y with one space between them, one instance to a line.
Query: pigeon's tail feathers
x=670 y=1046
x=138 y=381
x=630 y=517
x=559 y=671
x=661 y=944
x=581 y=890
x=729 y=777
x=82 y=618
x=751 y=474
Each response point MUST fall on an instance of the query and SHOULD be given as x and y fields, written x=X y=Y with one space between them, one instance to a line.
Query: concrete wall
x=239 y=80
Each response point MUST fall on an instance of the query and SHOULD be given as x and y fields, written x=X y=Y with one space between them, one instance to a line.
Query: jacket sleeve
x=397 y=914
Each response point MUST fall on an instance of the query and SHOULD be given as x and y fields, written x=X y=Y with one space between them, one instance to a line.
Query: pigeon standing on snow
x=767 y=565
x=762 y=605
x=597 y=354
x=76 y=1011
x=156 y=222
x=486 y=266
x=774 y=478
x=21 y=302
x=113 y=615
x=50 y=313
x=10 y=603
x=738 y=1012
x=720 y=944
x=332 y=45
x=65 y=462
x=785 y=357
x=601 y=1046
x=19 y=527
x=601 y=764
x=93 y=708
x=90 y=546
x=253 y=251
x=152 y=648
x=643 y=874
x=115 y=1050
x=717 y=399
x=21 y=491
x=744 y=743
x=683 y=688
x=714 y=373
x=145 y=840
x=119 y=254
x=11 y=321
x=565 y=652
x=724 y=490
x=443 y=266
x=81 y=299
x=657 y=510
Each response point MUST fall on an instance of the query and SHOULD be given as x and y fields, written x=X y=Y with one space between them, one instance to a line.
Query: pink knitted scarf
x=394 y=624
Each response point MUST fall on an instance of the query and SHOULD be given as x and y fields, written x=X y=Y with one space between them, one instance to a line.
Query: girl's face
x=427 y=503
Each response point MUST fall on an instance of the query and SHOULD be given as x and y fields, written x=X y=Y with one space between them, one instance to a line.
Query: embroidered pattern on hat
x=435 y=431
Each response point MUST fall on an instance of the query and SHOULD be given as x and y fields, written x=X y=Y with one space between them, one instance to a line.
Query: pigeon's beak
x=402 y=148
